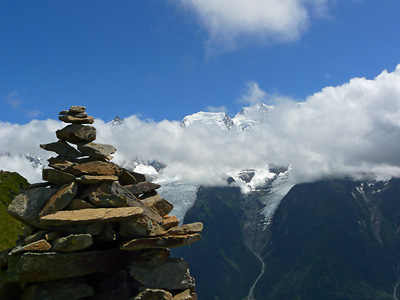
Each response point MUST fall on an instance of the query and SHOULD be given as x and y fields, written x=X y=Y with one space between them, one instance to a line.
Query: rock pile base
x=94 y=230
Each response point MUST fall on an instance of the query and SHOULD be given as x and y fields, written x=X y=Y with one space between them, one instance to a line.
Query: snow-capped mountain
x=251 y=116
x=116 y=121
x=246 y=119
x=220 y=119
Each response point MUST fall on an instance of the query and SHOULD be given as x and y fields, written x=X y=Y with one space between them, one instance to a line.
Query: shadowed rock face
x=96 y=231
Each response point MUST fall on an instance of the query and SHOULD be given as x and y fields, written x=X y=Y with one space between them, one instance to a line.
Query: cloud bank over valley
x=347 y=130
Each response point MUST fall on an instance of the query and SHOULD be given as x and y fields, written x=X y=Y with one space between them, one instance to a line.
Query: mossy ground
x=11 y=184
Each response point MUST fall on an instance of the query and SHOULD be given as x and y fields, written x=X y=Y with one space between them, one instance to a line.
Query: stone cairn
x=95 y=230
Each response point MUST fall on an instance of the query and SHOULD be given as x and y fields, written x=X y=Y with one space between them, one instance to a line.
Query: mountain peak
x=209 y=118
x=116 y=121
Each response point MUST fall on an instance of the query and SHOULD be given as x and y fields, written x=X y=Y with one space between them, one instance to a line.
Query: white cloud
x=352 y=129
x=253 y=94
x=216 y=108
x=261 y=21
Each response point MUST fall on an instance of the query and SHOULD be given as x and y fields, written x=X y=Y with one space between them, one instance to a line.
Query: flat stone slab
x=161 y=242
x=186 y=229
x=77 y=133
x=90 y=215
x=26 y=207
x=60 y=199
x=142 y=187
x=76 y=120
x=97 y=150
x=62 y=148
x=98 y=168
x=41 y=267
x=93 y=179
x=57 y=176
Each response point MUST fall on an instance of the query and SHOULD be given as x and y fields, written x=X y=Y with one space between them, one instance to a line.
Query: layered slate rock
x=95 y=230
x=27 y=206
x=90 y=215
x=60 y=199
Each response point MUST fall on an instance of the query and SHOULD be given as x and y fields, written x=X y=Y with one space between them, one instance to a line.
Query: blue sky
x=167 y=59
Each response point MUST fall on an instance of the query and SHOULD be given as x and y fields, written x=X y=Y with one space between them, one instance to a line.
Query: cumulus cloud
x=228 y=21
x=252 y=94
x=347 y=130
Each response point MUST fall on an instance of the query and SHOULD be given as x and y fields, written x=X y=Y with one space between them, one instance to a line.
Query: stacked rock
x=95 y=230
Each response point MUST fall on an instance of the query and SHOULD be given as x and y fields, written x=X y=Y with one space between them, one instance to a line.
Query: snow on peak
x=246 y=119
x=220 y=119
x=251 y=116
x=116 y=121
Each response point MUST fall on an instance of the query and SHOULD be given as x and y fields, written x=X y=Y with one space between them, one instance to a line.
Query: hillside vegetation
x=11 y=184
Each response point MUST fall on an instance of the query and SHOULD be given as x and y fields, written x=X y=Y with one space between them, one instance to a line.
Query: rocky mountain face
x=331 y=239
x=94 y=230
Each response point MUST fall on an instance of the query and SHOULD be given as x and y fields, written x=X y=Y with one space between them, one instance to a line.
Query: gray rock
x=73 y=242
x=57 y=176
x=77 y=133
x=27 y=206
x=41 y=267
x=97 y=150
x=172 y=275
x=62 y=148
x=60 y=199
x=67 y=289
